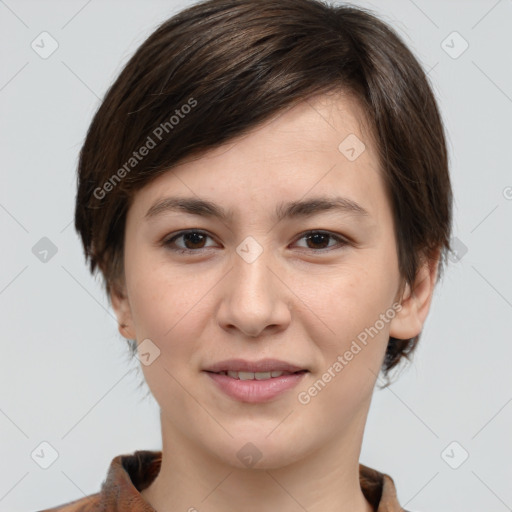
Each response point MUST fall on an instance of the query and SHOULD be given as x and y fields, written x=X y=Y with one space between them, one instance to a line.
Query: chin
x=258 y=452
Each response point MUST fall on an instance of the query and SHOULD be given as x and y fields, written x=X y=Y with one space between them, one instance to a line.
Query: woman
x=265 y=191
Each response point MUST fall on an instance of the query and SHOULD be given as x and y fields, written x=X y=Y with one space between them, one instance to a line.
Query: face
x=301 y=268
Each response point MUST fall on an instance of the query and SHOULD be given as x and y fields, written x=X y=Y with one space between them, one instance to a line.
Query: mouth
x=262 y=366
x=254 y=382
x=242 y=375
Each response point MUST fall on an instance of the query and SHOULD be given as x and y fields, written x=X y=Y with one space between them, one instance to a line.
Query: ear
x=122 y=309
x=415 y=301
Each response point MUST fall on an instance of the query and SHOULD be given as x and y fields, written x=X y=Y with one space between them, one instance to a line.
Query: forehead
x=321 y=146
x=319 y=123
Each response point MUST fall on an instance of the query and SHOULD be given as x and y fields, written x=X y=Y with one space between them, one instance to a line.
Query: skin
x=300 y=301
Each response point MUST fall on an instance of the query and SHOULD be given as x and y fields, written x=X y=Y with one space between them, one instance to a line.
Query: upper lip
x=263 y=365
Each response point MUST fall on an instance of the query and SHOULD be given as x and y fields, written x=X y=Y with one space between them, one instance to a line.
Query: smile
x=255 y=387
x=254 y=375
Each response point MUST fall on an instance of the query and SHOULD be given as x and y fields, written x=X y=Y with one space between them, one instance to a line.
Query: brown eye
x=193 y=240
x=318 y=240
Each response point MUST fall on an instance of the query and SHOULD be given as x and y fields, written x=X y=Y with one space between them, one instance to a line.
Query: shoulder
x=126 y=475
x=87 y=504
x=379 y=490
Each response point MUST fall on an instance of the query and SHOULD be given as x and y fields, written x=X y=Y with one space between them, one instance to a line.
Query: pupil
x=194 y=238
x=317 y=238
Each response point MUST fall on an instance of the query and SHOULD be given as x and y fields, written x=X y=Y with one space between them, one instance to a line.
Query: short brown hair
x=235 y=63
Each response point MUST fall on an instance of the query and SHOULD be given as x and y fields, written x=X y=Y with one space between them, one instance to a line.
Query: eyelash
x=342 y=241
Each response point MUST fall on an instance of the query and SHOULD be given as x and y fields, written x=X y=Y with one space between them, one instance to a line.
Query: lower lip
x=255 y=391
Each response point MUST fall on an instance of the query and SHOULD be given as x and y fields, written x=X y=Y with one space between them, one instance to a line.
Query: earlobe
x=415 y=302
x=122 y=309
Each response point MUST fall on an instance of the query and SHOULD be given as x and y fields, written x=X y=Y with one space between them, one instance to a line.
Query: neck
x=191 y=479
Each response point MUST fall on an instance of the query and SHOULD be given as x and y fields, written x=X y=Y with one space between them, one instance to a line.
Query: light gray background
x=65 y=373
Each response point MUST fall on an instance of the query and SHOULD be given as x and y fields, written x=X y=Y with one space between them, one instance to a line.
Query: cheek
x=168 y=308
x=352 y=354
x=349 y=298
x=160 y=293
x=354 y=305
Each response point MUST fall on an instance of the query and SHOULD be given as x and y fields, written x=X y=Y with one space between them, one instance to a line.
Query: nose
x=254 y=298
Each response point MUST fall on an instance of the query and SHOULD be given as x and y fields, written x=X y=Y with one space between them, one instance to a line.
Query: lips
x=255 y=391
x=255 y=381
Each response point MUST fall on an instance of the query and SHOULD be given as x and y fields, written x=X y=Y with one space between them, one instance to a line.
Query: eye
x=321 y=238
x=193 y=240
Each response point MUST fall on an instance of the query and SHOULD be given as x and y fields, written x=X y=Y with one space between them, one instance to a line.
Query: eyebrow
x=289 y=210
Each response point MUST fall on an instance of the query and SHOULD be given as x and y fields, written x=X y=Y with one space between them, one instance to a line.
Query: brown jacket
x=131 y=473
